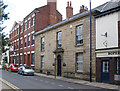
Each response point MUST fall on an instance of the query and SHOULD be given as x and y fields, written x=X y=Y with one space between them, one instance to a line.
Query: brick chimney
x=83 y=9
x=69 y=10
x=52 y=11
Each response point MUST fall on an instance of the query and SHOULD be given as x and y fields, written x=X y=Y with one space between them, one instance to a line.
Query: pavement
x=96 y=84
x=3 y=86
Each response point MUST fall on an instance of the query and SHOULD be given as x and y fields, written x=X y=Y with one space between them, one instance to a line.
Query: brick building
x=63 y=48
x=22 y=34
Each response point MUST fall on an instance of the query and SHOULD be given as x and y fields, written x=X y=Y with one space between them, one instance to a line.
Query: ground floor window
x=118 y=65
x=42 y=62
x=25 y=59
x=33 y=56
x=21 y=59
x=17 y=59
x=79 y=62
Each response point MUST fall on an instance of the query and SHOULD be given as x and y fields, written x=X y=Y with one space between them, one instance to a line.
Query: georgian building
x=63 y=48
x=22 y=34
x=108 y=43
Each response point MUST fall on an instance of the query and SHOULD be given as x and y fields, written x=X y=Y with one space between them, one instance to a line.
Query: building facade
x=22 y=34
x=108 y=44
x=63 y=48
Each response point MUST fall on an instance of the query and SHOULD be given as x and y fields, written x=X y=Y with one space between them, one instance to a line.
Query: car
x=13 y=67
x=25 y=70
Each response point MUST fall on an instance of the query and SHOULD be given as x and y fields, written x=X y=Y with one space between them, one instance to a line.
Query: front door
x=105 y=71
x=59 y=65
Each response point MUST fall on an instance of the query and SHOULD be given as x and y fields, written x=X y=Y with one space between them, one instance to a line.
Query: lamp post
x=55 y=64
x=90 y=45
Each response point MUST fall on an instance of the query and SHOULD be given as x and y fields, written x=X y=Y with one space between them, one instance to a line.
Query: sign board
x=117 y=77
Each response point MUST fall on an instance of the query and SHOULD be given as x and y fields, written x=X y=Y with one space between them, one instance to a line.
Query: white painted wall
x=109 y=24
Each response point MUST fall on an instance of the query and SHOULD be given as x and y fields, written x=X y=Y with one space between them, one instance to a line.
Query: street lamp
x=90 y=45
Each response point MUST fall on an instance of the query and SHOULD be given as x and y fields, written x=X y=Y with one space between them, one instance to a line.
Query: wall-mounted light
x=105 y=35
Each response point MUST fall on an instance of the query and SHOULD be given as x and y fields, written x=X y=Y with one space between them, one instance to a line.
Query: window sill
x=24 y=47
x=21 y=48
x=33 y=45
x=79 y=72
x=28 y=46
x=79 y=45
x=25 y=64
x=32 y=65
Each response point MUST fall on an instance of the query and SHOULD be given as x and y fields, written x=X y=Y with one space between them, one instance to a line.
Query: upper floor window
x=17 y=44
x=21 y=43
x=42 y=43
x=17 y=30
x=33 y=39
x=21 y=29
x=25 y=41
x=59 y=39
x=79 y=62
x=33 y=20
x=25 y=25
x=28 y=40
x=79 y=34
x=29 y=23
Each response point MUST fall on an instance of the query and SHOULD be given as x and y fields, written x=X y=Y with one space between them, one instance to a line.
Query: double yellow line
x=10 y=85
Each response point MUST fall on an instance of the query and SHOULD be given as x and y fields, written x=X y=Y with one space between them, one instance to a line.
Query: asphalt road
x=38 y=82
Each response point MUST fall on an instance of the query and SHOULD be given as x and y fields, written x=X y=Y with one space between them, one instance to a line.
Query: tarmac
x=83 y=82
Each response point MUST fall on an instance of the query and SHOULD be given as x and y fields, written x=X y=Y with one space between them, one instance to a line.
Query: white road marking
x=60 y=85
x=70 y=88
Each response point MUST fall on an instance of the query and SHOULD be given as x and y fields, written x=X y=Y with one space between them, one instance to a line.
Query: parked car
x=25 y=70
x=13 y=67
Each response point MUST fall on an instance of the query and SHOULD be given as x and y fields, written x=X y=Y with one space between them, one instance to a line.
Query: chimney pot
x=68 y=3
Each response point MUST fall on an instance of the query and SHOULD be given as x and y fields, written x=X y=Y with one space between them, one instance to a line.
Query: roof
x=102 y=8
x=66 y=21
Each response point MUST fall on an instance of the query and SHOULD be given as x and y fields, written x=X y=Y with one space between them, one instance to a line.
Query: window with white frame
x=21 y=59
x=33 y=39
x=21 y=43
x=17 y=44
x=29 y=23
x=21 y=28
x=118 y=65
x=33 y=20
x=25 y=58
x=59 y=39
x=25 y=25
x=79 y=62
x=42 y=62
x=25 y=41
x=79 y=34
x=17 y=31
x=33 y=57
x=42 y=44
x=28 y=40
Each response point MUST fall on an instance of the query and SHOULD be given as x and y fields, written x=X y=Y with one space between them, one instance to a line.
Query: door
x=59 y=65
x=105 y=71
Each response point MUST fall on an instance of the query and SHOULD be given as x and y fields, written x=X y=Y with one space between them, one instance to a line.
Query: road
x=38 y=82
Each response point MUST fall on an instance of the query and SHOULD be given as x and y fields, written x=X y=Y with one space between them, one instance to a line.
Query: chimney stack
x=69 y=10
x=83 y=9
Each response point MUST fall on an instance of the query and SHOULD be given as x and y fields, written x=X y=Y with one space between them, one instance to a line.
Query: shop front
x=108 y=66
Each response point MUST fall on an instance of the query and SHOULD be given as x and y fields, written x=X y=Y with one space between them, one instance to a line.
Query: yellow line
x=11 y=85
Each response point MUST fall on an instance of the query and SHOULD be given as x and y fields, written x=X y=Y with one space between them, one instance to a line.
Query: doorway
x=105 y=69
x=58 y=65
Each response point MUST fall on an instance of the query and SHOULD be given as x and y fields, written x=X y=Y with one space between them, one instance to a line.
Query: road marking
x=10 y=85
x=70 y=88
x=60 y=85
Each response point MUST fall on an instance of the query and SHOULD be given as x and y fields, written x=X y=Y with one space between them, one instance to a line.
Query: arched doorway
x=58 y=65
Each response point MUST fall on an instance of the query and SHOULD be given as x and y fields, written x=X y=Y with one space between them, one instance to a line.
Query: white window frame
x=79 y=62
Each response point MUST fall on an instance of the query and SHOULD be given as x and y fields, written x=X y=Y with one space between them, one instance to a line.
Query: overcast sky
x=18 y=9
